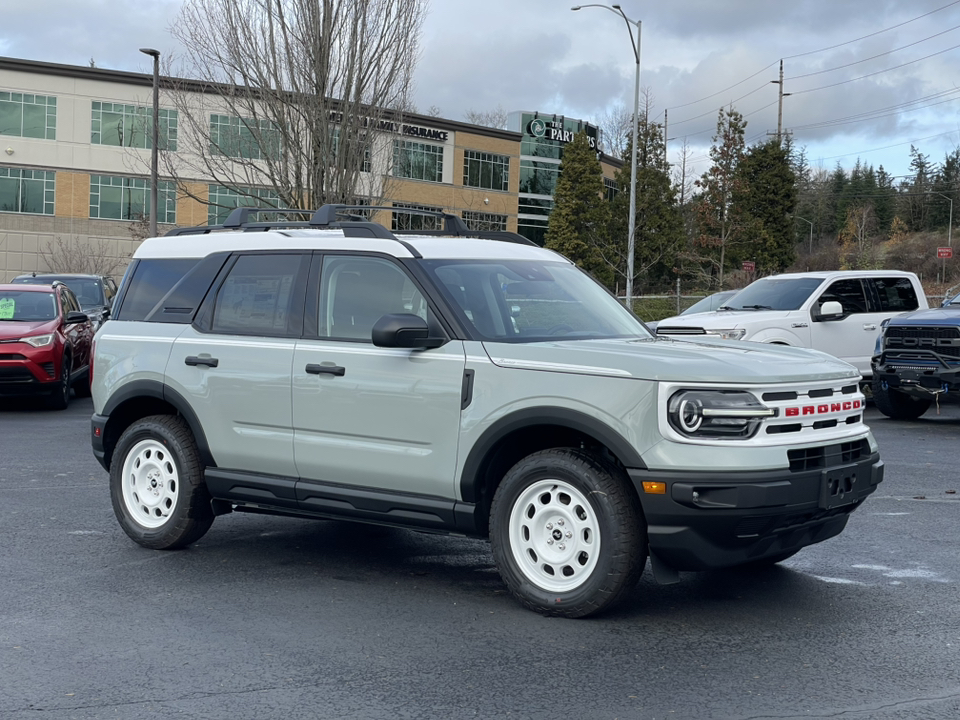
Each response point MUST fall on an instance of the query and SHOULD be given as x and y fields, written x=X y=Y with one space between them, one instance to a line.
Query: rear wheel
x=567 y=533
x=897 y=405
x=156 y=484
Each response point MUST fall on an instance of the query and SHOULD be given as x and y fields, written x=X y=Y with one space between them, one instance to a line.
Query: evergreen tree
x=658 y=233
x=766 y=198
x=578 y=223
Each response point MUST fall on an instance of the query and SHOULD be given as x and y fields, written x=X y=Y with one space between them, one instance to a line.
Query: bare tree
x=292 y=103
x=496 y=118
x=616 y=129
x=72 y=256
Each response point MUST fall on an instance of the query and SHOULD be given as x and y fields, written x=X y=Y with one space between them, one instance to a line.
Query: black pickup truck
x=917 y=361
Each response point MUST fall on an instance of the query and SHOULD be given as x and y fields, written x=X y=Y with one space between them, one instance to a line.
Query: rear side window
x=151 y=282
x=895 y=294
x=258 y=296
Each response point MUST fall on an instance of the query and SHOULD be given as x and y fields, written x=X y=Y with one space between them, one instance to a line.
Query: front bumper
x=709 y=520
x=918 y=372
x=25 y=370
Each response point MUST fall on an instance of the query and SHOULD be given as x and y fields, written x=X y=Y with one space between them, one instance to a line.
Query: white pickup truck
x=837 y=312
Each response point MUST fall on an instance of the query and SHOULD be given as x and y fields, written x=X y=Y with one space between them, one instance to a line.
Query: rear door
x=365 y=416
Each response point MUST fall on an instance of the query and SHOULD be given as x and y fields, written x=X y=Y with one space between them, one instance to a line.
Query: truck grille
x=901 y=342
x=827 y=456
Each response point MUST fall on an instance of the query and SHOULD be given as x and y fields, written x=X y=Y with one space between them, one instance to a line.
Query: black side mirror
x=75 y=316
x=105 y=313
x=403 y=330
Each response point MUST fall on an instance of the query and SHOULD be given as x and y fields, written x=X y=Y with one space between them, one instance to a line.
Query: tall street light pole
x=631 y=242
x=154 y=180
x=811 y=231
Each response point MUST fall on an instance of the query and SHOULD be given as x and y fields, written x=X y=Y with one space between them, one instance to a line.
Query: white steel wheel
x=150 y=483
x=554 y=535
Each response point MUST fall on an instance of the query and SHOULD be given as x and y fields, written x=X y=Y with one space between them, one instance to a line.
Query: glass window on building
x=417 y=161
x=30 y=116
x=26 y=191
x=131 y=126
x=126 y=198
x=244 y=138
x=481 y=221
x=335 y=133
x=534 y=229
x=223 y=199
x=486 y=170
x=416 y=221
x=538 y=178
x=609 y=189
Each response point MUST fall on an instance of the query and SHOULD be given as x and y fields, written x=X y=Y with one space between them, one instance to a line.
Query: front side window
x=355 y=292
x=247 y=138
x=416 y=221
x=526 y=301
x=223 y=199
x=775 y=294
x=131 y=126
x=486 y=170
x=896 y=294
x=484 y=221
x=256 y=297
x=26 y=115
x=27 y=306
x=849 y=293
x=125 y=198
x=27 y=191
x=417 y=161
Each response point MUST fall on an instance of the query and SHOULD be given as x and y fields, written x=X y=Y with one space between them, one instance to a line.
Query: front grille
x=667 y=330
x=15 y=375
x=922 y=331
x=899 y=341
x=12 y=356
x=826 y=456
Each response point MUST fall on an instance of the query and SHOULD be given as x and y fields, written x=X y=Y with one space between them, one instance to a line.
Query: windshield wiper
x=756 y=307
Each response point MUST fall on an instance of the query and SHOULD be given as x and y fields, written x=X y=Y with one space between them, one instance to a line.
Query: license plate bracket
x=838 y=486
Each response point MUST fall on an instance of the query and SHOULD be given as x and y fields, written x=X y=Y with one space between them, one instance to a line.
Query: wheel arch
x=527 y=431
x=140 y=399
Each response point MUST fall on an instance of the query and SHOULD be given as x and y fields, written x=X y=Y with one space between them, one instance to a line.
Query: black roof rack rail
x=353 y=224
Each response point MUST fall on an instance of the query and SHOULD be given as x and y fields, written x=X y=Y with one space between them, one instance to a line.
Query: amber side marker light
x=655 y=488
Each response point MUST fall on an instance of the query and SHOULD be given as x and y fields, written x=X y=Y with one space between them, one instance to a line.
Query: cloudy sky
x=866 y=77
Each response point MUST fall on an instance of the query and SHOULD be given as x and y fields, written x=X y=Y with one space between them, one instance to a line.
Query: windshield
x=89 y=291
x=954 y=301
x=774 y=294
x=27 y=306
x=710 y=302
x=526 y=301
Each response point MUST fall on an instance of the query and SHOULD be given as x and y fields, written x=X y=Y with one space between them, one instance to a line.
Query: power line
x=872 y=114
x=887 y=147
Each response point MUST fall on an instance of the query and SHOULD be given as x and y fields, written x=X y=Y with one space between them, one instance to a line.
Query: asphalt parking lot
x=277 y=617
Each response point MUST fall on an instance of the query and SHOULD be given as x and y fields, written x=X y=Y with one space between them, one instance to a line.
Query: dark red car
x=45 y=343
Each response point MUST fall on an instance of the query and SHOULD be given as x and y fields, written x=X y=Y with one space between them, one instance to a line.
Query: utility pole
x=664 y=133
x=781 y=96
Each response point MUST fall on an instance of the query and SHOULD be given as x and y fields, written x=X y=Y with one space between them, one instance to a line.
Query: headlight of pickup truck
x=728 y=334
x=732 y=414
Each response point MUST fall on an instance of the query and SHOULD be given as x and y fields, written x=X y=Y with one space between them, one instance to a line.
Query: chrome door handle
x=869 y=326
x=315 y=369
x=207 y=361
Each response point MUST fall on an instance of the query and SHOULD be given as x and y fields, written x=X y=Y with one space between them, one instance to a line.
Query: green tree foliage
x=766 y=198
x=581 y=215
x=720 y=223
x=658 y=232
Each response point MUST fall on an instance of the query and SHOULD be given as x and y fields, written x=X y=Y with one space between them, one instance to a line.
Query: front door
x=852 y=338
x=365 y=416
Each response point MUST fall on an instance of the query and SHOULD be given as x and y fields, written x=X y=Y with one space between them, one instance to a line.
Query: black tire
x=897 y=405
x=567 y=533
x=81 y=388
x=59 y=398
x=156 y=484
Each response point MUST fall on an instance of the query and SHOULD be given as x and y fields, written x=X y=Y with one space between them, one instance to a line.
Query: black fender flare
x=161 y=391
x=564 y=417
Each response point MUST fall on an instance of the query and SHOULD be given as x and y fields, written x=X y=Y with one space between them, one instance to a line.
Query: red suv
x=45 y=343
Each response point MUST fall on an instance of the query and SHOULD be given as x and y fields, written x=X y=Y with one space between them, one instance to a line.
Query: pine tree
x=578 y=223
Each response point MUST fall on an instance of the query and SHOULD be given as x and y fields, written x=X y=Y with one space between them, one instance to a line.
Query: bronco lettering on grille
x=824 y=408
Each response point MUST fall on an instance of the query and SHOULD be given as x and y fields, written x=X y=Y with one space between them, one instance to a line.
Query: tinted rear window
x=150 y=283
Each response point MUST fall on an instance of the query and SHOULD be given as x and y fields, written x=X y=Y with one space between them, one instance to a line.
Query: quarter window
x=256 y=297
x=150 y=283
x=417 y=161
x=27 y=191
x=355 y=292
x=486 y=170
x=125 y=198
x=25 y=115
x=131 y=126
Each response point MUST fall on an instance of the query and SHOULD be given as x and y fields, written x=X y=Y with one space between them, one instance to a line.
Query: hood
x=935 y=316
x=664 y=359
x=10 y=330
x=724 y=318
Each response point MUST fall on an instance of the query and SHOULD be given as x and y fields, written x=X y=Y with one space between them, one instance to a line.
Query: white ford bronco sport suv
x=478 y=386
x=836 y=312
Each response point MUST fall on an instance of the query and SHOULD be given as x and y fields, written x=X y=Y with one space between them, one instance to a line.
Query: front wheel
x=156 y=484
x=897 y=405
x=567 y=533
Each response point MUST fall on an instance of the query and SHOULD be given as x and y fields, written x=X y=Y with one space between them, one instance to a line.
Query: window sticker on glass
x=7 y=306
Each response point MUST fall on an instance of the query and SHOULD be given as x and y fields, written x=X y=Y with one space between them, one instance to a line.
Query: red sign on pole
x=944 y=253
x=749 y=266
